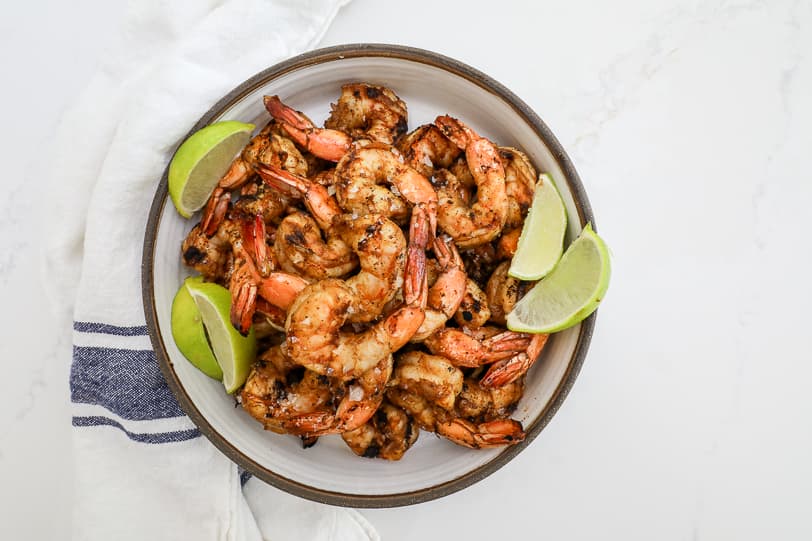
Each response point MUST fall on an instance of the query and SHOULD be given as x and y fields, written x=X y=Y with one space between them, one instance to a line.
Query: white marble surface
x=691 y=125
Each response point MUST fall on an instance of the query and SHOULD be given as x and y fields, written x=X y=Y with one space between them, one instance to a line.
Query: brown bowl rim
x=330 y=54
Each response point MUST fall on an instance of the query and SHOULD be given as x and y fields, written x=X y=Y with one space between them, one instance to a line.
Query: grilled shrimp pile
x=372 y=264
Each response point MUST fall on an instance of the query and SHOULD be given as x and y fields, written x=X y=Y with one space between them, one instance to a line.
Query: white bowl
x=430 y=85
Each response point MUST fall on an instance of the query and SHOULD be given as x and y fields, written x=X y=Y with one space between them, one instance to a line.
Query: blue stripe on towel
x=104 y=328
x=126 y=382
x=161 y=437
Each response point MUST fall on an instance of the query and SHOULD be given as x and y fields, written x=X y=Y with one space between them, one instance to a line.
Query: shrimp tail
x=447 y=254
x=353 y=414
x=449 y=289
x=330 y=145
x=253 y=231
x=237 y=174
x=466 y=351
x=285 y=114
x=243 y=304
x=281 y=289
x=455 y=130
x=509 y=370
x=282 y=181
x=310 y=425
x=480 y=436
x=215 y=211
x=318 y=200
x=508 y=341
x=415 y=287
x=403 y=324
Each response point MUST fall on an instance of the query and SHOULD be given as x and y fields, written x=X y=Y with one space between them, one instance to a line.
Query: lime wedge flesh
x=542 y=239
x=189 y=334
x=201 y=161
x=234 y=352
x=570 y=293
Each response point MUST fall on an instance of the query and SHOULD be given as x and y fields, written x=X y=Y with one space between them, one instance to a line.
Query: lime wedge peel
x=189 y=334
x=201 y=161
x=542 y=239
x=570 y=293
x=234 y=353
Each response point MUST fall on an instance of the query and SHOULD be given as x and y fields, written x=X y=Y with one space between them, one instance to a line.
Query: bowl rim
x=324 y=55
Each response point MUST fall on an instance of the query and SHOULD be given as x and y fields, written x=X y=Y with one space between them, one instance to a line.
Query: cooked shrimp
x=480 y=262
x=508 y=243
x=431 y=382
x=376 y=239
x=481 y=404
x=327 y=177
x=300 y=248
x=503 y=292
x=322 y=235
x=210 y=256
x=509 y=370
x=363 y=179
x=369 y=112
x=520 y=183
x=388 y=434
x=316 y=341
x=459 y=168
x=236 y=255
x=427 y=149
x=482 y=221
x=359 y=397
x=447 y=293
x=363 y=396
x=286 y=398
x=278 y=150
x=267 y=147
x=381 y=247
x=358 y=191
x=430 y=376
x=289 y=399
x=253 y=275
x=418 y=407
x=473 y=310
x=327 y=144
x=463 y=349
x=304 y=244
x=494 y=433
x=469 y=226
x=256 y=198
x=316 y=197
x=278 y=288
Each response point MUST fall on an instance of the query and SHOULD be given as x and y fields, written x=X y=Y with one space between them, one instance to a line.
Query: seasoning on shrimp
x=388 y=434
x=372 y=112
x=482 y=221
x=372 y=265
x=267 y=147
x=427 y=387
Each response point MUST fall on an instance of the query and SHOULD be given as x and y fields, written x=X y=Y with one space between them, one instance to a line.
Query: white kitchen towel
x=142 y=469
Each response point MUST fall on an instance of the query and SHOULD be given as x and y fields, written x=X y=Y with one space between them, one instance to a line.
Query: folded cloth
x=142 y=469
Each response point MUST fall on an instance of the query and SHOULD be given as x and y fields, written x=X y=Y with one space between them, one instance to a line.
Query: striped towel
x=142 y=469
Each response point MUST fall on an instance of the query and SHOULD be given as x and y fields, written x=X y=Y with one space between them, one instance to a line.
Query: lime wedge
x=201 y=161
x=189 y=334
x=570 y=292
x=542 y=239
x=234 y=352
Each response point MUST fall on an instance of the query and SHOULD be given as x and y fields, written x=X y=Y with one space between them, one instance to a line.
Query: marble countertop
x=691 y=125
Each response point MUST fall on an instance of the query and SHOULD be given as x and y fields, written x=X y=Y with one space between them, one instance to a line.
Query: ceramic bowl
x=329 y=472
